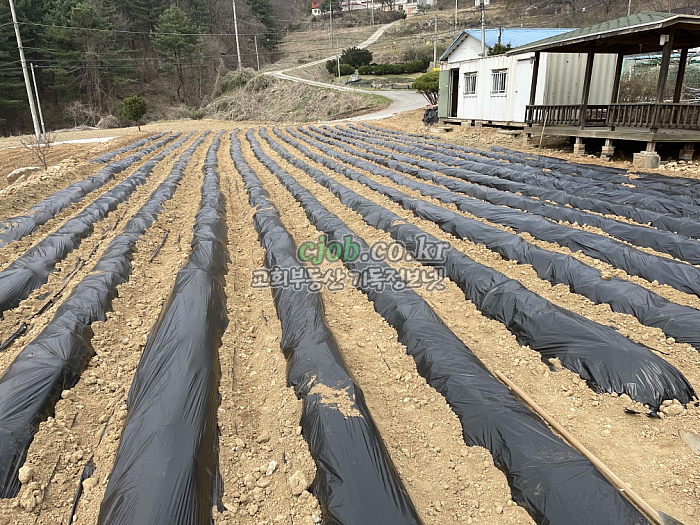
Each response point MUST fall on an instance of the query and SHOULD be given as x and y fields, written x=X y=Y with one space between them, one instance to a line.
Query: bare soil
x=449 y=482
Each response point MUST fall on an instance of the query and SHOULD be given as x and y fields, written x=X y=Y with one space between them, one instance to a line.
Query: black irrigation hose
x=553 y=482
x=166 y=465
x=104 y=159
x=56 y=358
x=15 y=228
x=31 y=270
x=681 y=225
x=678 y=246
x=496 y=206
x=608 y=361
x=356 y=481
x=677 y=321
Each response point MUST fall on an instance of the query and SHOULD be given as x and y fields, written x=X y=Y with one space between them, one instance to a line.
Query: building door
x=523 y=81
x=454 y=92
x=444 y=93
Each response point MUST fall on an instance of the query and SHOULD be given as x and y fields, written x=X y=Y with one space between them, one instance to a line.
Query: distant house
x=495 y=89
x=316 y=7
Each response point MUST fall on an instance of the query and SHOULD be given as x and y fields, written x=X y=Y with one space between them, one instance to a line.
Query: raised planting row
x=677 y=321
x=15 y=228
x=31 y=270
x=679 y=246
x=509 y=177
x=104 y=159
x=548 y=478
x=664 y=183
x=55 y=359
x=608 y=361
x=682 y=276
x=356 y=481
x=166 y=466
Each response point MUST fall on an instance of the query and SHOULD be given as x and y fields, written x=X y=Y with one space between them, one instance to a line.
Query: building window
x=498 y=81
x=470 y=83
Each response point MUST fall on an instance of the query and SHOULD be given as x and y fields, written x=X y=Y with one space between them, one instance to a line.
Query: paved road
x=401 y=100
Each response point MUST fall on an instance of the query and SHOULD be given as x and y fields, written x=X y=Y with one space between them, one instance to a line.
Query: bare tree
x=40 y=149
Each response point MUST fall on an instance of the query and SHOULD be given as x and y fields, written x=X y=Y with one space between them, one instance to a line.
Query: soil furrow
x=598 y=420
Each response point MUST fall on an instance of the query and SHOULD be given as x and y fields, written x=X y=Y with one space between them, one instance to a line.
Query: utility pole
x=455 y=14
x=435 y=45
x=337 y=43
x=629 y=7
x=372 y=23
x=38 y=103
x=331 y=3
x=482 y=7
x=235 y=26
x=27 y=84
x=257 y=57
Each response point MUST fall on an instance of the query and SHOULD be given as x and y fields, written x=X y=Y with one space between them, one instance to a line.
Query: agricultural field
x=327 y=324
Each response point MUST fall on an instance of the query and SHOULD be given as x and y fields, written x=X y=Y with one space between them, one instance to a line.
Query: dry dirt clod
x=297 y=483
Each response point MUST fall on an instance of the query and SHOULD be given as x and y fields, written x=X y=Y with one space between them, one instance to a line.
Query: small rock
x=26 y=474
x=271 y=468
x=249 y=481
x=264 y=438
x=90 y=483
x=252 y=509
x=297 y=483
x=263 y=483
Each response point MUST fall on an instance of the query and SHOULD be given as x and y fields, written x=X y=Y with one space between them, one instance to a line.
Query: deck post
x=681 y=74
x=687 y=152
x=579 y=147
x=608 y=150
x=647 y=159
x=533 y=93
x=616 y=85
x=663 y=76
x=586 y=86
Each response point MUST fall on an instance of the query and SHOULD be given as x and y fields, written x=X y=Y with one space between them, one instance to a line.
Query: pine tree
x=175 y=40
x=87 y=52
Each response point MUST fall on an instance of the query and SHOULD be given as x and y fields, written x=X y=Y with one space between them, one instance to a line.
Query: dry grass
x=279 y=101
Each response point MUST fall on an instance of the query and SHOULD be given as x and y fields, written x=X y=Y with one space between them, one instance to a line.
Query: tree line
x=91 y=54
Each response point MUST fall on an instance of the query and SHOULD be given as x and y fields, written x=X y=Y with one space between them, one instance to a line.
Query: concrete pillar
x=608 y=150
x=579 y=147
x=687 y=152
x=647 y=159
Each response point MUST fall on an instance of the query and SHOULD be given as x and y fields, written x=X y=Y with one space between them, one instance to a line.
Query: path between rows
x=400 y=100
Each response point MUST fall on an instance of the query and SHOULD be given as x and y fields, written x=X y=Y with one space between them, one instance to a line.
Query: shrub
x=134 y=108
x=332 y=66
x=234 y=80
x=365 y=70
x=356 y=57
x=346 y=69
x=260 y=83
x=428 y=85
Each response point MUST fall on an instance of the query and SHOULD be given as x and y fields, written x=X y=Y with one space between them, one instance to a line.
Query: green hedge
x=414 y=66
x=345 y=69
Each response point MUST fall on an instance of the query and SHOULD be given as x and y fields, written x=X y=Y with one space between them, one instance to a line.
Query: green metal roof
x=644 y=21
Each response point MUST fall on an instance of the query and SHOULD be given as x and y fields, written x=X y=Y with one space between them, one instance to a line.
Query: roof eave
x=592 y=36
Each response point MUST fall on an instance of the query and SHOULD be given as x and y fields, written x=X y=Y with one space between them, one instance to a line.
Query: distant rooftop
x=515 y=36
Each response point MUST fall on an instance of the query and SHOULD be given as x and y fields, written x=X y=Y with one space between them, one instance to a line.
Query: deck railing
x=652 y=115
x=636 y=115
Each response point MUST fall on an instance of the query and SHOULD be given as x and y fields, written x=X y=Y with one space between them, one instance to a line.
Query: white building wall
x=560 y=81
x=507 y=107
